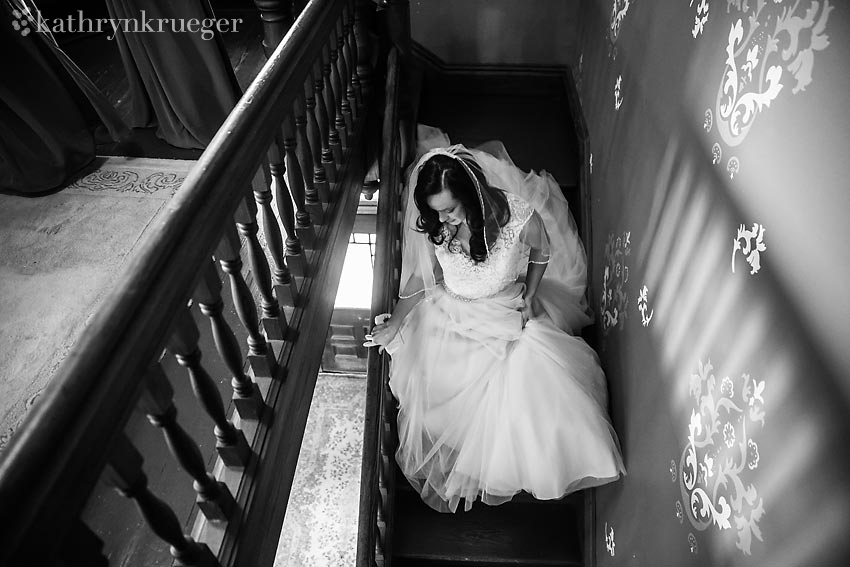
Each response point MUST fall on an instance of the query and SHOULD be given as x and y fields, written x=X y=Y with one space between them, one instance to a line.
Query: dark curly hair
x=445 y=172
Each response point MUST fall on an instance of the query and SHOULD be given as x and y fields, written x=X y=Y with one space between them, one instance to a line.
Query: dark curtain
x=179 y=82
x=46 y=123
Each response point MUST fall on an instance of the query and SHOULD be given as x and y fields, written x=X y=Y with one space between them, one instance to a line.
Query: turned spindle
x=363 y=10
x=353 y=60
x=344 y=77
x=157 y=401
x=246 y=394
x=295 y=258
x=339 y=95
x=228 y=252
x=295 y=182
x=231 y=444
x=304 y=152
x=126 y=474
x=334 y=135
x=314 y=135
x=272 y=317
x=322 y=119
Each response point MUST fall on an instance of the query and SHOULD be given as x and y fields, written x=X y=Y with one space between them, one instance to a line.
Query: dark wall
x=497 y=32
x=719 y=192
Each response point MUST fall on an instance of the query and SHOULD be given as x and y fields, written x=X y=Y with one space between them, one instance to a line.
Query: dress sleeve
x=535 y=237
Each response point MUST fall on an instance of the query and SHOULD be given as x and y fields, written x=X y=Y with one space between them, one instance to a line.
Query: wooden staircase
x=523 y=531
x=530 y=111
x=530 y=114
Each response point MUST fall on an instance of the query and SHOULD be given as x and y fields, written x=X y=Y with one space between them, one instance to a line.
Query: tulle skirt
x=488 y=408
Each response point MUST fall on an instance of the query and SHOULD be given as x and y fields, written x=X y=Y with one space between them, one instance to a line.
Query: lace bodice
x=466 y=278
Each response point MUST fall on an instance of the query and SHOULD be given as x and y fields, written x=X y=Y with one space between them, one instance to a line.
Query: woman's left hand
x=527 y=311
x=382 y=333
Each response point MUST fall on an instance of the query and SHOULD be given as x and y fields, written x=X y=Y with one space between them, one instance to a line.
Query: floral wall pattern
x=618 y=95
x=750 y=242
x=614 y=302
x=610 y=544
x=770 y=48
x=619 y=9
x=715 y=171
x=721 y=449
x=643 y=306
x=701 y=17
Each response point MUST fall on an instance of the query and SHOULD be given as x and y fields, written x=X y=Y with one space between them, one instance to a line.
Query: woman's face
x=445 y=204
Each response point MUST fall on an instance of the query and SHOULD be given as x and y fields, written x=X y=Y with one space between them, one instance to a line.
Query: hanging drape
x=180 y=82
x=49 y=109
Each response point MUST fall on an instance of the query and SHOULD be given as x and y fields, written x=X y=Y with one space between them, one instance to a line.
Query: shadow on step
x=524 y=531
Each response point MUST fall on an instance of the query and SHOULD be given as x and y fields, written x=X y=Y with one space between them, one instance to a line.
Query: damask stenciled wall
x=719 y=183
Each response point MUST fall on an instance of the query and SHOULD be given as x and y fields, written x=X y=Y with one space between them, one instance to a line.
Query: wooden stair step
x=531 y=533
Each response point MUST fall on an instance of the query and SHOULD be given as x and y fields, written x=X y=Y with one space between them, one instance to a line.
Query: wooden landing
x=523 y=531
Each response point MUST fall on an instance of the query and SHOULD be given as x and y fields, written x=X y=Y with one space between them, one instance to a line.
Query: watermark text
x=78 y=23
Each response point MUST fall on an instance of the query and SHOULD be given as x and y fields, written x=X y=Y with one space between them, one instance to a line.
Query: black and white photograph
x=424 y=283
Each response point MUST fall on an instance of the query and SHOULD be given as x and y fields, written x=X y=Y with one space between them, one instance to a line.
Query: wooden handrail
x=385 y=288
x=53 y=462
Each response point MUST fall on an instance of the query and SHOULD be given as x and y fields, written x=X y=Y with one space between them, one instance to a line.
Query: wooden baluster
x=383 y=490
x=314 y=134
x=334 y=134
x=323 y=122
x=125 y=473
x=351 y=54
x=352 y=47
x=273 y=318
x=379 y=545
x=246 y=394
x=284 y=284
x=260 y=354
x=295 y=258
x=157 y=401
x=363 y=10
x=295 y=181
x=339 y=94
x=389 y=404
x=231 y=444
x=81 y=547
x=345 y=91
x=304 y=151
x=381 y=525
x=277 y=19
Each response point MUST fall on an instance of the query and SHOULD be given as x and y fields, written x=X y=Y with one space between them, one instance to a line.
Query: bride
x=496 y=393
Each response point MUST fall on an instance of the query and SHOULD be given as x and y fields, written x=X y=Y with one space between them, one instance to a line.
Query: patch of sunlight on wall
x=355 y=285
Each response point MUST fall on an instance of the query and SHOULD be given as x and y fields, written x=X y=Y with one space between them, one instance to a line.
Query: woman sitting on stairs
x=496 y=392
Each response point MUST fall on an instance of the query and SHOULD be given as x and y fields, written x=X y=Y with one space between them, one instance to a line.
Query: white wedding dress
x=487 y=407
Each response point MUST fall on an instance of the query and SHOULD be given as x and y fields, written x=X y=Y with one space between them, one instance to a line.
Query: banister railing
x=306 y=104
x=374 y=538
